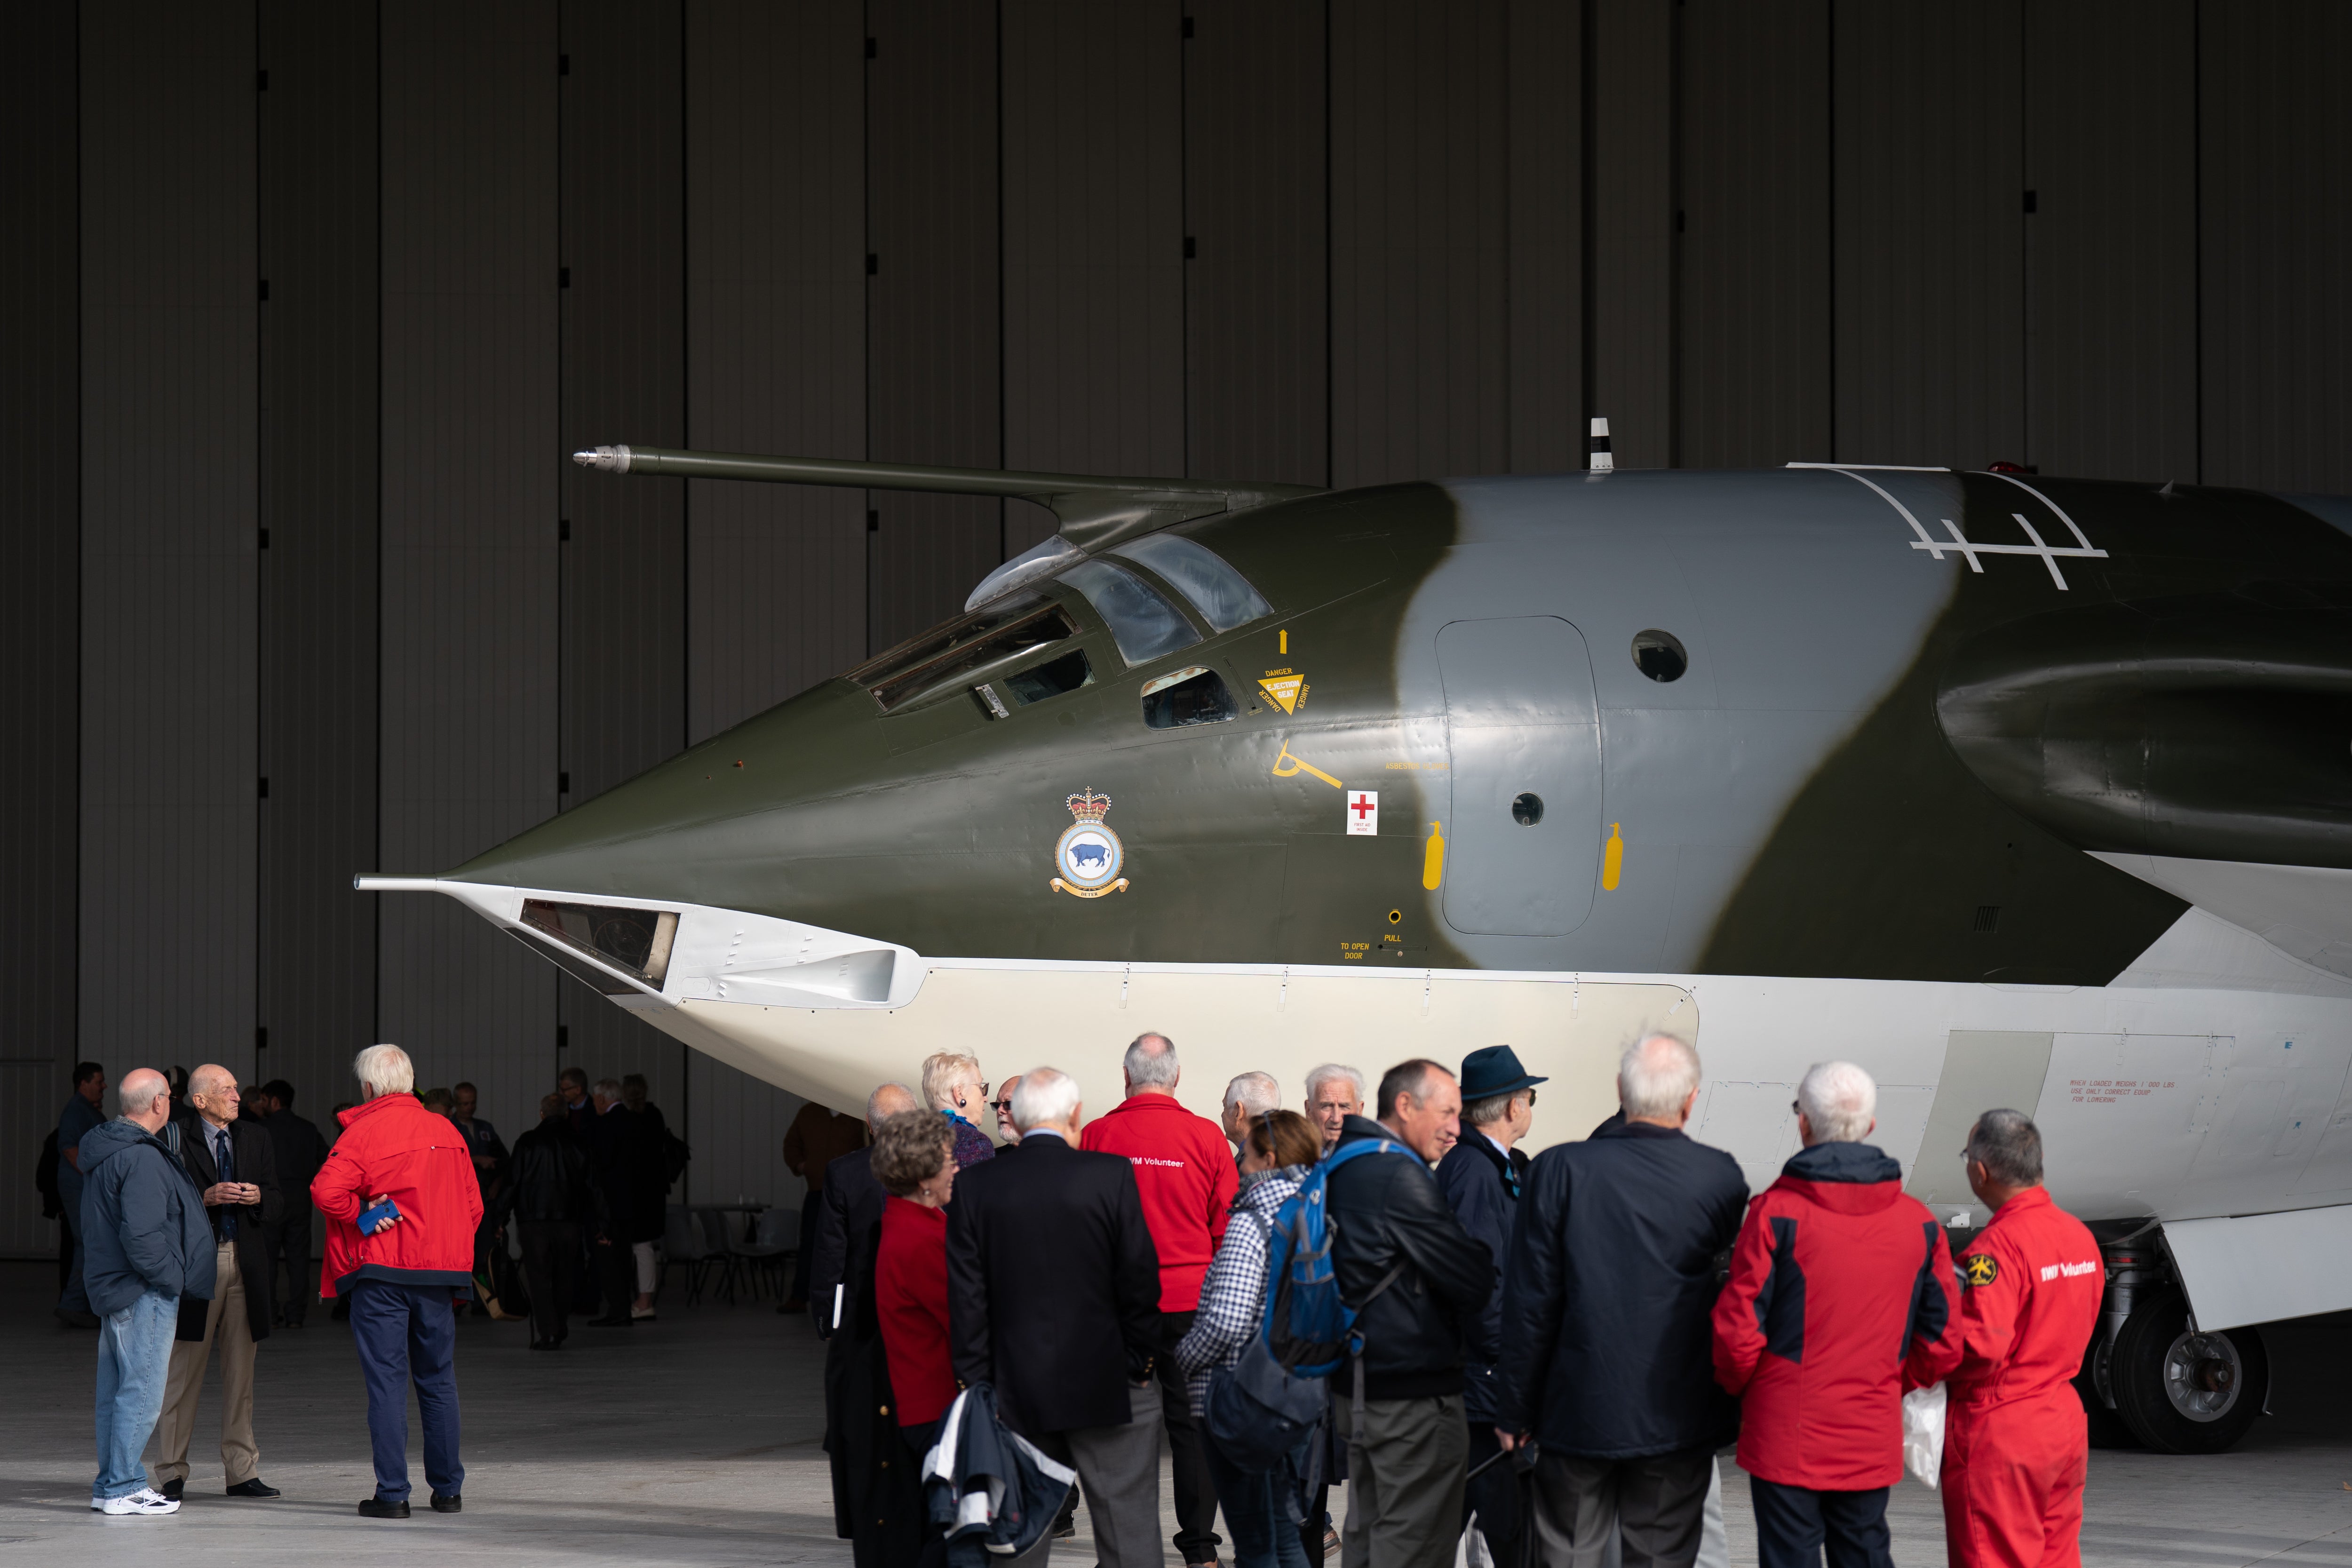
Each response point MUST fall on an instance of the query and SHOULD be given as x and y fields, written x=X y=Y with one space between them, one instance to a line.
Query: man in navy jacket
x=1482 y=1176
x=1606 y=1337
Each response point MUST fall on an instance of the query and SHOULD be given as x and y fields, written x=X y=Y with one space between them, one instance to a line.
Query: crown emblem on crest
x=1087 y=806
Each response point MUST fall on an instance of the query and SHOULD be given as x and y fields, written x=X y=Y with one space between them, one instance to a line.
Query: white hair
x=609 y=1088
x=386 y=1070
x=1046 y=1099
x=1330 y=1070
x=942 y=1071
x=1151 y=1064
x=139 y=1101
x=1656 y=1076
x=1839 y=1099
x=1257 y=1092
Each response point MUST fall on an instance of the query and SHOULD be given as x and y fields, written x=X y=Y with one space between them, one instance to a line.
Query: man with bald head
x=852 y=1208
x=233 y=1163
x=147 y=1249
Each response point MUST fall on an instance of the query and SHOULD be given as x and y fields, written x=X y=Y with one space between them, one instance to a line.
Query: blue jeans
x=1264 y=1536
x=134 y=1353
x=76 y=1296
x=409 y=1333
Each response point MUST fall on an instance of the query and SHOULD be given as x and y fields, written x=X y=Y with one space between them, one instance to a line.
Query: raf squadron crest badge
x=1088 y=854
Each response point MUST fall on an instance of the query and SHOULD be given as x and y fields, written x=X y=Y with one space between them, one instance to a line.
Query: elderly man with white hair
x=401 y=1203
x=1605 y=1324
x=1249 y=1096
x=1842 y=1299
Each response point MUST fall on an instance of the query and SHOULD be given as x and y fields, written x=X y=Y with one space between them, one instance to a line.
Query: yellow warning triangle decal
x=1284 y=690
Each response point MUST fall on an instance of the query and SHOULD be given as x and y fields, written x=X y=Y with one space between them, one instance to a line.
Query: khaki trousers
x=225 y=1321
x=1404 y=1481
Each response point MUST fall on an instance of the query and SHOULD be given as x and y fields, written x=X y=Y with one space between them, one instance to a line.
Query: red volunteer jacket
x=910 y=1301
x=1184 y=1169
x=1841 y=1300
x=2031 y=1281
x=394 y=1146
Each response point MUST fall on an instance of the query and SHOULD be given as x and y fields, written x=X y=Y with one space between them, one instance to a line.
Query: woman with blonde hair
x=1277 y=1152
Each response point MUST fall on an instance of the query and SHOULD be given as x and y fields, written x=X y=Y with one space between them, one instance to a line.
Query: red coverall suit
x=2015 y=1443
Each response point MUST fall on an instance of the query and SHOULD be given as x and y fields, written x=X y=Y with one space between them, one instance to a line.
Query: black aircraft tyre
x=2185 y=1392
x=2107 y=1429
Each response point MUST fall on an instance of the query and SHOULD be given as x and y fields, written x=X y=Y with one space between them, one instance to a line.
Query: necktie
x=224 y=1162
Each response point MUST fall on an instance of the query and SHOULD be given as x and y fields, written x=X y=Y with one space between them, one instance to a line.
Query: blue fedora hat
x=1494 y=1070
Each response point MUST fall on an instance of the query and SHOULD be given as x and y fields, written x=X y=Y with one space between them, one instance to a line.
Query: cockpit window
x=1052 y=677
x=940 y=660
x=1222 y=596
x=1144 y=625
x=636 y=942
x=1189 y=697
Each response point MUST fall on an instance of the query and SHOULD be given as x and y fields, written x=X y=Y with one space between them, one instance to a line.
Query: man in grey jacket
x=146 y=1243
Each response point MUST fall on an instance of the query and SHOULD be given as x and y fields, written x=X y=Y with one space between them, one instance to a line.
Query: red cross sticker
x=1364 y=813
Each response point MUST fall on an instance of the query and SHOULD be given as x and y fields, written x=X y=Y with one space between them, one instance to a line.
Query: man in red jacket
x=2016 y=1447
x=405 y=1272
x=1185 y=1173
x=1841 y=1300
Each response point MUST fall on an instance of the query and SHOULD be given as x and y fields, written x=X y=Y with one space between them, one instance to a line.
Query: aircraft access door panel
x=1523 y=739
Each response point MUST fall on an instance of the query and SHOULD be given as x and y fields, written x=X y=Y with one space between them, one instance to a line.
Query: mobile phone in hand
x=375 y=1219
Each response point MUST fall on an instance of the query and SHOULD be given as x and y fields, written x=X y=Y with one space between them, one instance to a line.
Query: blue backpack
x=1263 y=1407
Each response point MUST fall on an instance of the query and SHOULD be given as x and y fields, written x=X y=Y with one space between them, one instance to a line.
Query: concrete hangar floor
x=695 y=1441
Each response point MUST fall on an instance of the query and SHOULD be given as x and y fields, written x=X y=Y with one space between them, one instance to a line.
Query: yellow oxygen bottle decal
x=1613 y=860
x=1433 y=860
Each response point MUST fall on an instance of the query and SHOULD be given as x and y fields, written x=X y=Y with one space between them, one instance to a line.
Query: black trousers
x=549 y=1248
x=1795 y=1524
x=1196 y=1495
x=288 y=1241
x=804 y=1263
x=616 y=1267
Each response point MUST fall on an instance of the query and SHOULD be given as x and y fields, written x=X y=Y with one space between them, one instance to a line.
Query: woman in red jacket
x=914 y=1161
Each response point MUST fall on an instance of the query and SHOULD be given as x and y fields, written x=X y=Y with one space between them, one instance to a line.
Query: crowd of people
x=1545 y=1355
x=1531 y=1360
x=186 y=1223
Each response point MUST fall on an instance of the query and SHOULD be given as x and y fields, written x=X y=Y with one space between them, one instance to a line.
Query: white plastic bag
x=1923 y=1434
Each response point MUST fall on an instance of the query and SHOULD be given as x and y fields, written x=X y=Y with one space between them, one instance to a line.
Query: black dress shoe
x=452 y=1503
x=376 y=1508
x=173 y=1489
x=254 y=1488
x=610 y=1321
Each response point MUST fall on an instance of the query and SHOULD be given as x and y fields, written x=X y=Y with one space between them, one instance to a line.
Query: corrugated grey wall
x=1273 y=240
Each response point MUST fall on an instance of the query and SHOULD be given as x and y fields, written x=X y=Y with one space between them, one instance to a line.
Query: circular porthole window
x=1527 y=810
x=1660 y=655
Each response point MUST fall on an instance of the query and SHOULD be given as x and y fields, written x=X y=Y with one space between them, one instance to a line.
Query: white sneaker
x=146 y=1499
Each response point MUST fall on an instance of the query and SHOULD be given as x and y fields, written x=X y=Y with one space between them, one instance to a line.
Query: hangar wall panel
x=1546 y=260
x=1419 y=241
x=1754 y=374
x=623 y=345
x=1257 y=350
x=1094 y=241
x=1632 y=241
x=740 y=1126
x=1930 y=303
x=40 y=607
x=168 y=282
x=775 y=349
x=2111 y=157
x=318 y=486
x=934 y=332
x=470 y=630
x=2276 y=228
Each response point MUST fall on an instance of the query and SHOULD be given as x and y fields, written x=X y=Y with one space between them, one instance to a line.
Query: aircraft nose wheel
x=2183 y=1391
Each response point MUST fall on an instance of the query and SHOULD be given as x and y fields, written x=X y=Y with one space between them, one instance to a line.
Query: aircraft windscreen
x=1144 y=625
x=940 y=659
x=636 y=942
x=1222 y=596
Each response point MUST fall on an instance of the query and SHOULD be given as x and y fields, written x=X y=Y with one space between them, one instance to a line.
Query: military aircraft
x=2018 y=790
